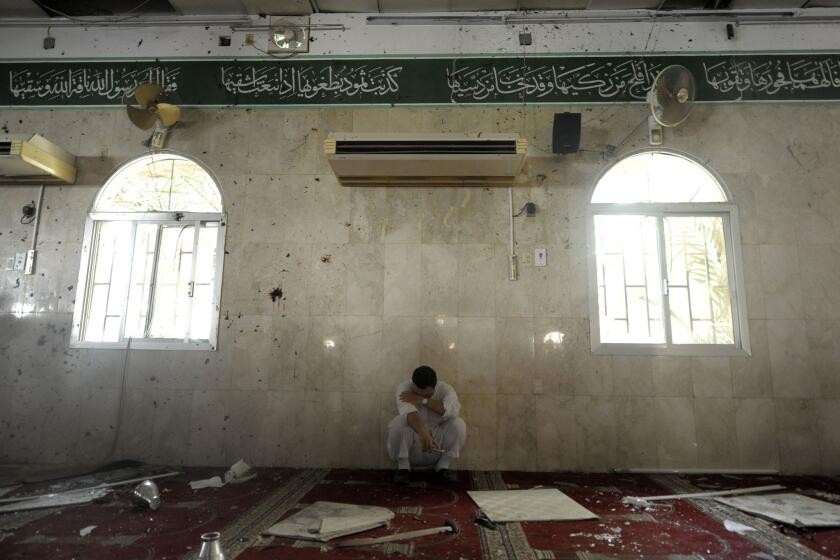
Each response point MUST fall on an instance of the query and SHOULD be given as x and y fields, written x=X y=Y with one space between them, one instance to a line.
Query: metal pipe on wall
x=514 y=269
x=29 y=267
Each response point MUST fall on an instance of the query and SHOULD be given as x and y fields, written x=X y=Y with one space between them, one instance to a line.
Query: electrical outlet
x=10 y=263
x=527 y=260
x=540 y=256
x=538 y=386
x=20 y=261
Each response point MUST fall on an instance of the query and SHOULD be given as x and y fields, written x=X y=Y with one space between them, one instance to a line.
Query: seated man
x=427 y=430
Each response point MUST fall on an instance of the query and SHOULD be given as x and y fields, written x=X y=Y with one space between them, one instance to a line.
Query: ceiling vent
x=426 y=160
x=36 y=160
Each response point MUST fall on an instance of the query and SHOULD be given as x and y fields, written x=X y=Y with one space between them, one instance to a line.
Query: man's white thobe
x=448 y=430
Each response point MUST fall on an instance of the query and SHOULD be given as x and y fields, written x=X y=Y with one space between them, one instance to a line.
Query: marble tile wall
x=420 y=276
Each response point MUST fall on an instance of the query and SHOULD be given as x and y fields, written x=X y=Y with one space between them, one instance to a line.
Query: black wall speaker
x=565 y=138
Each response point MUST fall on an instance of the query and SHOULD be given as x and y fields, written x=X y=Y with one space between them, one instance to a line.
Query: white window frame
x=729 y=212
x=158 y=218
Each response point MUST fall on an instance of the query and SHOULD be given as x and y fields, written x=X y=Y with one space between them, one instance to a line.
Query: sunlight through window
x=151 y=263
x=663 y=260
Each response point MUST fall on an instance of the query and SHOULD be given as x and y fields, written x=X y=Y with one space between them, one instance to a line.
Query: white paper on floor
x=793 y=509
x=87 y=530
x=239 y=472
x=529 y=505
x=213 y=482
x=236 y=474
x=323 y=521
x=736 y=527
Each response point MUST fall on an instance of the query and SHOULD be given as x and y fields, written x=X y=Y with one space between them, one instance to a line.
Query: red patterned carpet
x=679 y=529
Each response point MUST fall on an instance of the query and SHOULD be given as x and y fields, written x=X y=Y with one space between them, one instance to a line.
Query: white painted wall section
x=361 y=38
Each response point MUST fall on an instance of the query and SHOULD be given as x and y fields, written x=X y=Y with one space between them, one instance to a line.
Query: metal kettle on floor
x=211 y=548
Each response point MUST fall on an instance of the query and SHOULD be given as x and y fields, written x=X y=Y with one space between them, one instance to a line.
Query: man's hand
x=411 y=397
x=427 y=442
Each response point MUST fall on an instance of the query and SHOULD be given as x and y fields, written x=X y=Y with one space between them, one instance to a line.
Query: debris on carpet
x=238 y=473
x=448 y=527
x=324 y=521
x=645 y=502
x=736 y=527
x=212 y=482
x=56 y=500
x=147 y=495
x=790 y=509
x=529 y=505
x=87 y=530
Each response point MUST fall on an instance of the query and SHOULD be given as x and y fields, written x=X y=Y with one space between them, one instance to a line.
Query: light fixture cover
x=288 y=35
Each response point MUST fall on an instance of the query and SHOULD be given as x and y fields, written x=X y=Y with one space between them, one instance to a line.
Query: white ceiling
x=29 y=8
x=408 y=6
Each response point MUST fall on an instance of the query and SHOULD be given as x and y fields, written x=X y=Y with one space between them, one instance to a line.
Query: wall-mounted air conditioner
x=36 y=160
x=428 y=160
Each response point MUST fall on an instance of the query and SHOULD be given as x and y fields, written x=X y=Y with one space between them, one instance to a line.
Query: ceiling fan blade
x=147 y=94
x=141 y=118
x=168 y=114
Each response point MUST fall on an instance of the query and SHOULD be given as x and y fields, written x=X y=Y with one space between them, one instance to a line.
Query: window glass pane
x=142 y=270
x=698 y=280
x=629 y=279
x=657 y=177
x=205 y=274
x=108 y=282
x=202 y=309
x=160 y=183
x=96 y=305
x=170 y=300
x=112 y=329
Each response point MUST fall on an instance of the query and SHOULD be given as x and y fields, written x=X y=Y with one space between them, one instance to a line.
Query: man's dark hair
x=423 y=377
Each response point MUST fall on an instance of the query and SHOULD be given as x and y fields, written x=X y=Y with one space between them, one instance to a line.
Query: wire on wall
x=113 y=448
x=130 y=14
x=521 y=211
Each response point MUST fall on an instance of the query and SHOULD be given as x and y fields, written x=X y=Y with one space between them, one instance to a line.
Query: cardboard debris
x=87 y=530
x=547 y=504
x=323 y=521
x=792 y=509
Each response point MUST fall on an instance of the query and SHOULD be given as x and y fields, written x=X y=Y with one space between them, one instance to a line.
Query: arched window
x=665 y=260
x=152 y=258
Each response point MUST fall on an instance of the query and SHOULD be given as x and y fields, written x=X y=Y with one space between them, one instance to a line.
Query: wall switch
x=20 y=261
x=540 y=257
